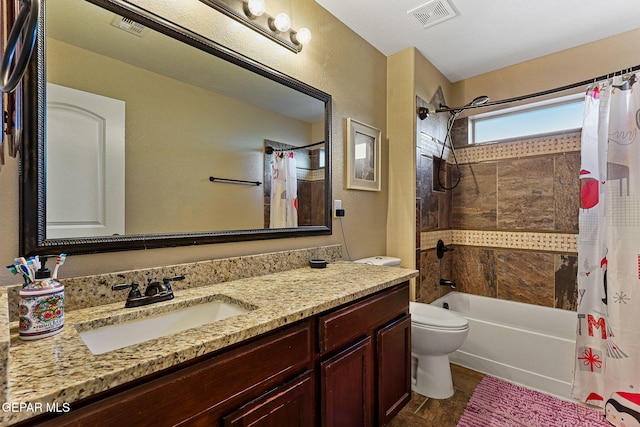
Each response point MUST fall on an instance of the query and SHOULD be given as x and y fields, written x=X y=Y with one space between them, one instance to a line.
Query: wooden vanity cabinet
x=202 y=393
x=365 y=348
x=347 y=367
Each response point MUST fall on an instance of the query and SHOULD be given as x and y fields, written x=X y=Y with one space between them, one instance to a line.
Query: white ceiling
x=487 y=34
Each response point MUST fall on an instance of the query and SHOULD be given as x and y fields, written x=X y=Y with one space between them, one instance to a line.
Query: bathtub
x=523 y=343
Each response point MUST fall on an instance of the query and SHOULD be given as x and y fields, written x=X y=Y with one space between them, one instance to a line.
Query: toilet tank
x=387 y=261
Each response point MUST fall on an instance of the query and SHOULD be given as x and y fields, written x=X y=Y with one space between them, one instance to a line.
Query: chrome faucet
x=155 y=292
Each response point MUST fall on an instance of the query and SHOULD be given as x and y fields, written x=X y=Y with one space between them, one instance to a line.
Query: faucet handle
x=134 y=286
x=167 y=281
x=120 y=287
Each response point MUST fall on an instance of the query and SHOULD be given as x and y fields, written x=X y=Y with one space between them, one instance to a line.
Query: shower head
x=479 y=101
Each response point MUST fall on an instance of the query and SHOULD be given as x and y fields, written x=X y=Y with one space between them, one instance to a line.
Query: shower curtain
x=607 y=365
x=284 y=191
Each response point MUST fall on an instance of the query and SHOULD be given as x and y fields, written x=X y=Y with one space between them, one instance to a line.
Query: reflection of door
x=85 y=164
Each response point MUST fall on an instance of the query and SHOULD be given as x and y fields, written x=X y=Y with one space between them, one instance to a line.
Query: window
x=557 y=115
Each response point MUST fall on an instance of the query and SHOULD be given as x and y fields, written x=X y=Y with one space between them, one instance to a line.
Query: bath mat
x=498 y=403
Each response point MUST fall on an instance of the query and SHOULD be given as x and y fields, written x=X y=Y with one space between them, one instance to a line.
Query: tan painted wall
x=563 y=68
x=428 y=79
x=402 y=165
x=337 y=61
x=409 y=74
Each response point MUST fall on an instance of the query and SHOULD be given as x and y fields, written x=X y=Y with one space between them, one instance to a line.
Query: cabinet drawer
x=345 y=325
x=290 y=405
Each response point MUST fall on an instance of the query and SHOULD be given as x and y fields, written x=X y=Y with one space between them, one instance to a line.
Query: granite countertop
x=61 y=369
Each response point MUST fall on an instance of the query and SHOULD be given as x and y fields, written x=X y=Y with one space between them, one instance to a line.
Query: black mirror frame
x=33 y=239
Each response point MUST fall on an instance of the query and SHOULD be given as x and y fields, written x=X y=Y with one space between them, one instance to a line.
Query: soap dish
x=318 y=263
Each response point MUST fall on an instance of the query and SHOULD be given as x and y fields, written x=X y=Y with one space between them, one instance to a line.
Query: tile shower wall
x=513 y=221
x=433 y=204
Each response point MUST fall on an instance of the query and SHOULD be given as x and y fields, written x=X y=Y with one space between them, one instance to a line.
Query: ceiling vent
x=128 y=25
x=434 y=12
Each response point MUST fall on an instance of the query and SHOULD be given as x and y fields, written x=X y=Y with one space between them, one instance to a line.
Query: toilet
x=387 y=261
x=435 y=333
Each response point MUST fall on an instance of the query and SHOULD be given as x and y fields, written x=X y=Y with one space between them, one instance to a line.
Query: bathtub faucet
x=441 y=248
x=444 y=282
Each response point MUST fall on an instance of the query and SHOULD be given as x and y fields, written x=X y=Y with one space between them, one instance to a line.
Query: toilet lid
x=430 y=315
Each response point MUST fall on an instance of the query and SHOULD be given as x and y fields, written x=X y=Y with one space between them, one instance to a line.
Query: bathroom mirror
x=183 y=109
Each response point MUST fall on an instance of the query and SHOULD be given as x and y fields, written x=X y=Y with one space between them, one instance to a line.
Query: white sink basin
x=112 y=337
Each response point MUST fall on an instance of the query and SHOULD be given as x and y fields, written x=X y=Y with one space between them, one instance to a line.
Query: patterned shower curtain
x=284 y=191
x=607 y=365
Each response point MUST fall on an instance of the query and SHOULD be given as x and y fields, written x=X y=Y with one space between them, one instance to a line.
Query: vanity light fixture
x=254 y=8
x=302 y=36
x=280 y=23
x=252 y=14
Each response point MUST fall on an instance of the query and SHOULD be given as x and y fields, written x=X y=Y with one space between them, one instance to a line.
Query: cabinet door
x=394 y=368
x=289 y=405
x=347 y=381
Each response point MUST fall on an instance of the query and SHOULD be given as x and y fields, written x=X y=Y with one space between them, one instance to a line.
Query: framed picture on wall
x=363 y=156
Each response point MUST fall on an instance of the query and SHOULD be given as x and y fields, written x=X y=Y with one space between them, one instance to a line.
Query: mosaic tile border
x=548 y=242
x=552 y=144
x=429 y=239
x=310 y=174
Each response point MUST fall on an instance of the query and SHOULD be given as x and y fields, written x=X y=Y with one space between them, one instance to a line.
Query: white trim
x=547 y=103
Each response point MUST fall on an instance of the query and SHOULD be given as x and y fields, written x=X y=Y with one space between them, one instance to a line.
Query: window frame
x=533 y=106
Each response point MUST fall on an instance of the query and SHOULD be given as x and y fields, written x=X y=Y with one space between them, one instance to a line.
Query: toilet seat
x=430 y=316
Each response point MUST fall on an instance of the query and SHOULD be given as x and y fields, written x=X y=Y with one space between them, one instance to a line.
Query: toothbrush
x=14 y=270
x=23 y=266
x=32 y=267
x=59 y=262
x=26 y=272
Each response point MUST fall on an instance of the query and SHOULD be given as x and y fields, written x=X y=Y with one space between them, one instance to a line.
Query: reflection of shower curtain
x=284 y=191
x=607 y=366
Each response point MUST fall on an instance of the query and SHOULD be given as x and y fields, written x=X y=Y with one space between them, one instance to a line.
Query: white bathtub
x=522 y=343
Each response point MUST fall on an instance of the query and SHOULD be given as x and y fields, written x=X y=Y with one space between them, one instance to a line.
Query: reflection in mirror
x=137 y=120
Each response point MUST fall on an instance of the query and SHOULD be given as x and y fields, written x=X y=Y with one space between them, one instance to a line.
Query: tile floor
x=424 y=412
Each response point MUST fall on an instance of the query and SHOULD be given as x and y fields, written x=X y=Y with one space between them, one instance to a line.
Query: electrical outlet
x=337 y=208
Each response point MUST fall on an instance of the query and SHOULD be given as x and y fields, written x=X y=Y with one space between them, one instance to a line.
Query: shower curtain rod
x=545 y=92
x=270 y=150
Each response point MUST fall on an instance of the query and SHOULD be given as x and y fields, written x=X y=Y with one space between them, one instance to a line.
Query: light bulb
x=302 y=36
x=281 y=22
x=254 y=8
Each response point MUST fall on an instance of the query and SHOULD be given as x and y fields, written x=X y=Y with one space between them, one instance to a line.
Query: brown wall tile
x=566 y=281
x=474 y=270
x=432 y=270
x=566 y=191
x=525 y=194
x=526 y=277
x=475 y=198
x=428 y=198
